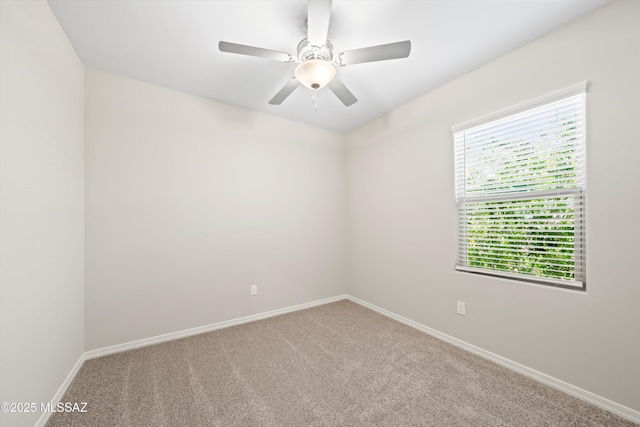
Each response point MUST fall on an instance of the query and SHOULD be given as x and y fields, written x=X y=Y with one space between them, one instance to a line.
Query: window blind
x=520 y=194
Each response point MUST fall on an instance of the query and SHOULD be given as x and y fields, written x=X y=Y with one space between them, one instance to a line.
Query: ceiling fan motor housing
x=307 y=51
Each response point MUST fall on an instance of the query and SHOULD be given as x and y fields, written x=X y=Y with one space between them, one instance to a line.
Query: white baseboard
x=92 y=354
x=570 y=389
x=44 y=417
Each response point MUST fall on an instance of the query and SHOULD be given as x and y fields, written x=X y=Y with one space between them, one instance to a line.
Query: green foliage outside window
x=534 y=237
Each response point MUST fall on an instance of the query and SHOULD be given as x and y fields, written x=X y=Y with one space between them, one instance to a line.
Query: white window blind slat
x=523 y=155
x=529 y=122
x=520 y=188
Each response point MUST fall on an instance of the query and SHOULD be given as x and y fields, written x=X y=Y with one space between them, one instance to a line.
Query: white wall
x=42 y=207
x=401 y=212
x=190 y=201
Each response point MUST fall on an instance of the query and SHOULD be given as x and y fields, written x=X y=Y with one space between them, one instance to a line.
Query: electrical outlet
x=254 y=289
x=462 y=309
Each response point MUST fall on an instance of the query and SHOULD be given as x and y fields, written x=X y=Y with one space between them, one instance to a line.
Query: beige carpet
x=335 y=365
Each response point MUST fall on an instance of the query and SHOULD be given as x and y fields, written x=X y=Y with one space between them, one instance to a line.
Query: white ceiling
x=174 y=43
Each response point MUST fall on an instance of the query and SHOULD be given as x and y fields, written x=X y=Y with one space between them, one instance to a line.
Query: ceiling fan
x=316 y=60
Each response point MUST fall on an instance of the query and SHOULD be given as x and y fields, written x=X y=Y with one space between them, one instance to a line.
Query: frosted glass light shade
x=315 y=73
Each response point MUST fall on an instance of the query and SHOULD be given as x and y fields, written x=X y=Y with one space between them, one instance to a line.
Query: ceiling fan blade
x=375 y=53
x=341 y=91
x=285 y=92
x=318 y=17
x=254 y=51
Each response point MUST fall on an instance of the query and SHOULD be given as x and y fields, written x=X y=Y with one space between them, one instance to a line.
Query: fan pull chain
x=315 y=104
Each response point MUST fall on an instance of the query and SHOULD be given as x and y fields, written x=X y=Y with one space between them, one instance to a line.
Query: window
x=520 y=191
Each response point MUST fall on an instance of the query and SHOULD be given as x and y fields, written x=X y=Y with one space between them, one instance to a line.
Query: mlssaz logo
x=64 y=407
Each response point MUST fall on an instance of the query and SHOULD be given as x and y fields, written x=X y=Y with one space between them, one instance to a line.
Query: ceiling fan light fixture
x=315 y=73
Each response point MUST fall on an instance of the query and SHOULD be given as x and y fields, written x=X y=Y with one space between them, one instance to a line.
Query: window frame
x=579 y=193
